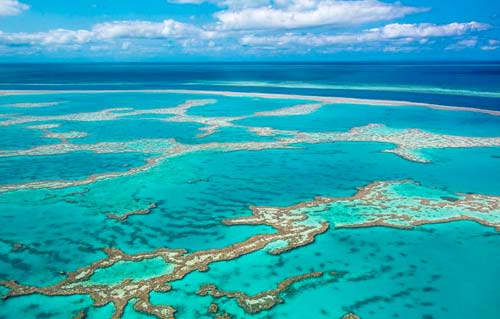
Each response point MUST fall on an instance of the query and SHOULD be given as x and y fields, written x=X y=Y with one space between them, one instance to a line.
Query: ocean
x=254 y=190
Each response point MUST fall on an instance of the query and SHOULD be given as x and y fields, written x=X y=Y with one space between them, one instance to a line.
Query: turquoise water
x=65 y=166
x=130 y=129
x=431 y=271
x=9 y=138
x=391 y=274
x=344 y=116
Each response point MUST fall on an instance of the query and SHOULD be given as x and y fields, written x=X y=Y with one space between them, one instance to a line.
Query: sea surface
x=250 y=191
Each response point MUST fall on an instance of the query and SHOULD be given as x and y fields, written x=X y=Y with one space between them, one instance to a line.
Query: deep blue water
x=419 y=81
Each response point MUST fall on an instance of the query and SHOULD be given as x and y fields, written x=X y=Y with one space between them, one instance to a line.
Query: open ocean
x=469 y=84
x=250 y=190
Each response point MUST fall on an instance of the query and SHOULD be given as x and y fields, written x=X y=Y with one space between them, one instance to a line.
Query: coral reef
x=391 y=204
x=126 y=215
x=261 y=301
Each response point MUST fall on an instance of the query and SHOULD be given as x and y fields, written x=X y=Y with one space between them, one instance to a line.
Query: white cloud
x=312 y=13
x=463 y=44
x=186 y=1
x=228 y=3
x=422 y=30
x=492 y=45
x=53 y=37
x=153 y=37
x=143 y=29
x=401 y=33
x=12 y=7
x=168 y=29
x=126 y=45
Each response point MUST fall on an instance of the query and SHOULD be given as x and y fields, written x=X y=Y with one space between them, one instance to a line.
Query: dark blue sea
x=459 y=84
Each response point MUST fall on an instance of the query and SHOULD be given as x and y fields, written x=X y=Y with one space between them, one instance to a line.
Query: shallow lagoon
x=387 y=273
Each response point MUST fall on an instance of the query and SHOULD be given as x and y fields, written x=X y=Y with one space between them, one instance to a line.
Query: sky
x=244 y=30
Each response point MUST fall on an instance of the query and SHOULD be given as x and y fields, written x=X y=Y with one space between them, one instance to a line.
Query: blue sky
x=278 y=30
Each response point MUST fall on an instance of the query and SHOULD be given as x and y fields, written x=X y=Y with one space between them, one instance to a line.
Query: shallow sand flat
x=324 y=99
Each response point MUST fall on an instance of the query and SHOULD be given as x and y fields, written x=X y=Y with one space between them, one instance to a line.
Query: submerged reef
x=400 y=204
x=126 y=215
x=408 y=143
x=82 y=314
x=107 y=114
x=264 y=300
x=61 y=136
x=32 y=105
x=323 y=99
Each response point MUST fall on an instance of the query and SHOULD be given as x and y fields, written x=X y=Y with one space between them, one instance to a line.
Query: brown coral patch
x=125 y=216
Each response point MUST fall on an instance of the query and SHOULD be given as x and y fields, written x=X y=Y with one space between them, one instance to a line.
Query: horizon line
x=263 y=62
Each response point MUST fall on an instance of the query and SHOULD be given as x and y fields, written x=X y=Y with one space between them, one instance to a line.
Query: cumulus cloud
x=394 y=32
x=153 y=37
x=144 y=29
x=12 y=7
x=53 y=37
x=186 y=1
x=168 y=29
x=463 y=44
x=312 y=13
x=227 y=3
x=492 y=45
x=422 y=30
